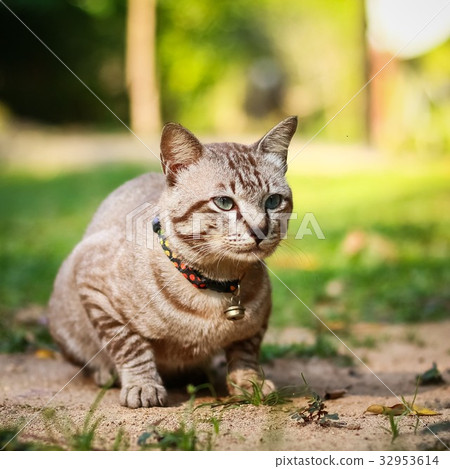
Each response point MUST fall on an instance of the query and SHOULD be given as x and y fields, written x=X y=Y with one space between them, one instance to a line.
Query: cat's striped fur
x=121 y=306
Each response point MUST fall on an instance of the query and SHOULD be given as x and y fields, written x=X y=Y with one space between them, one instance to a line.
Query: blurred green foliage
x=198 y=45
x=222 y=66
x=35 y=85
x=41 y=220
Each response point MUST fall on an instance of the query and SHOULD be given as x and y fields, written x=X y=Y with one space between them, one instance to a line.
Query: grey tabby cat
x=142 y=313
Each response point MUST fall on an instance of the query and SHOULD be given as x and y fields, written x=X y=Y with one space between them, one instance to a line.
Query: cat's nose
x=259 y=232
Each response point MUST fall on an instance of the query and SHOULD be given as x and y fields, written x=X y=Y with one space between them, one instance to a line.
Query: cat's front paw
x=246 y=380
x=143 y=395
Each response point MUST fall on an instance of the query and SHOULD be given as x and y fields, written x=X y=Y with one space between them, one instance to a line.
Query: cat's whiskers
x=294 y=250
x=221 y=257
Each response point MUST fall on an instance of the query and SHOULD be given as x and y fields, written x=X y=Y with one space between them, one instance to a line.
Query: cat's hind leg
x=73 y=331
x=81 y=346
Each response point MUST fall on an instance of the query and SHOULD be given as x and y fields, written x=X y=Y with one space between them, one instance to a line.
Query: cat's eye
x=273 y=201
x=224 y=203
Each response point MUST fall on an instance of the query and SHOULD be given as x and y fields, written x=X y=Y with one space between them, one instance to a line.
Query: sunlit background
x=369 y=81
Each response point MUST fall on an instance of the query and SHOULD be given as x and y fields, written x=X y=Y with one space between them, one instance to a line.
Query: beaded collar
x=195 y=277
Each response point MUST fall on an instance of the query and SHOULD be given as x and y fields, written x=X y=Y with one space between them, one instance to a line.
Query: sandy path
x=28 y=382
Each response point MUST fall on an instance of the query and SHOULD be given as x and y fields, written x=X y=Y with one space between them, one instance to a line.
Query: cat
x=142 y=312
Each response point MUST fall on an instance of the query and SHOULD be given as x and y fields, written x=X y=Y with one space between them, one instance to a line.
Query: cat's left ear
x=277 y=140
x=179 y=148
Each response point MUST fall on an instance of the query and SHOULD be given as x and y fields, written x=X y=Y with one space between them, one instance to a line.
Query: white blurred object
x=407 y=26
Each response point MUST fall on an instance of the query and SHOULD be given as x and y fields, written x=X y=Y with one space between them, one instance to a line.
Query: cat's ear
x=277 y=140
x=179 y=148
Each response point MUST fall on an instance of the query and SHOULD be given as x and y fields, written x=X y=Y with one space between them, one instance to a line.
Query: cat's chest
x=207 y=318
x=199 y=324
x=194 y=339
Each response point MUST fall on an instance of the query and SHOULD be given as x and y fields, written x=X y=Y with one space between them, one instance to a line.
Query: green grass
x=63 y=433
x=186 y=436
x=13 y=443
x=324 y=347
x=403 y=277
x=41 y=220
x=256 y=397
x=16 y=336
x=401 y=273
x=315 y=410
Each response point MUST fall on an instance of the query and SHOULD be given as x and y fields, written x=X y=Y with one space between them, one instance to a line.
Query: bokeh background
x=369 y=81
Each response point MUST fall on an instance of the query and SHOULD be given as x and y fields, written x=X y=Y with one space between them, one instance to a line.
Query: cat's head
x=225 y=204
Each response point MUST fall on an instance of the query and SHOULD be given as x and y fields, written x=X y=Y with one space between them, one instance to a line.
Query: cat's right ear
x=179 y=148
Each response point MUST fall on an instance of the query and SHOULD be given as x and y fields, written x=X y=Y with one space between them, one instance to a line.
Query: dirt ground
x=28 y=382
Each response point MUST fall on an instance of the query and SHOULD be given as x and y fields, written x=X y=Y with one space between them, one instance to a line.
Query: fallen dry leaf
x=423 y=411
x=400 y=409
x=397 y=409
x=44 y=354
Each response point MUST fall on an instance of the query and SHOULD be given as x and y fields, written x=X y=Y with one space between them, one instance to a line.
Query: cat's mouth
x=260 y=250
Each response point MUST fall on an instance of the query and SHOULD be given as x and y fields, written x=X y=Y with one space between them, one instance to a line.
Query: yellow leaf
x=423 y=411
x=399 y=409
x=44 y=354
x=376 y=409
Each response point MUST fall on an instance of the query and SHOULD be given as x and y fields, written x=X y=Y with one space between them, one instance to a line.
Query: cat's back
x=129 y=198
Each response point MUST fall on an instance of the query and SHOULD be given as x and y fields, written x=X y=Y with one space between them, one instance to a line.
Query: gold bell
x=235 y=312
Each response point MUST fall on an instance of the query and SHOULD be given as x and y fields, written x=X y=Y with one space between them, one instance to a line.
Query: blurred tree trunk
x=379 y=89
x=381 y=93
x=140 y=66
